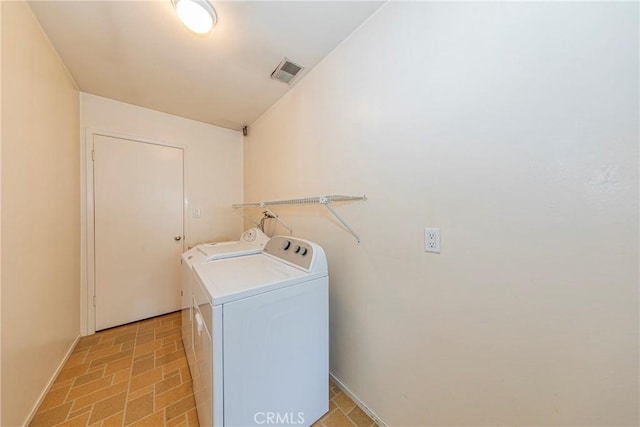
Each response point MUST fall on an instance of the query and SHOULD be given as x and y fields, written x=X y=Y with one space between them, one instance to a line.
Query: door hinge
x=93 y=155
x=94 y=300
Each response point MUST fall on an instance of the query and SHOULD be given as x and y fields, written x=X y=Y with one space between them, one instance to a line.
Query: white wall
x=40 y=213
x=213 y=168
x=0 y=216
x=514 y=128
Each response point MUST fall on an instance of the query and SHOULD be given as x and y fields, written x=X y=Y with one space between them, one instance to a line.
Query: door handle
x=177 y=238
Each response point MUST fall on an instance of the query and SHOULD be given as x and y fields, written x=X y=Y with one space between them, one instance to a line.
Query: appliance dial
x=286 y=245
x=249 y=235
x=297 y=249
x=303 y=251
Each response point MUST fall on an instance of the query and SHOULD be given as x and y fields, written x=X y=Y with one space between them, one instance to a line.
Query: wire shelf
x=320 y=200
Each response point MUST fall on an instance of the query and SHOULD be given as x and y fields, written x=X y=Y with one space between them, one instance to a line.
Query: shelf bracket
x=247 y=217
x=325 y=201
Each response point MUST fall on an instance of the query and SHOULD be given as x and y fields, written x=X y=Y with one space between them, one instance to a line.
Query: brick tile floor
x=343 y=412
x=137 y=375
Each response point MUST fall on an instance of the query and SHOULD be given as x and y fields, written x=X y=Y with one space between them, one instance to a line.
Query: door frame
x=87 y=262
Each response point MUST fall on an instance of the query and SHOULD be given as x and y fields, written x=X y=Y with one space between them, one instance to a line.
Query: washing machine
x=262 y=328
x=252 y=241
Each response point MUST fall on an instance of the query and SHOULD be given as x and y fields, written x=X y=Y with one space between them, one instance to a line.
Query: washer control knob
x=303 y=251
x=297 y=249
x=286 y=245
x=249 y=235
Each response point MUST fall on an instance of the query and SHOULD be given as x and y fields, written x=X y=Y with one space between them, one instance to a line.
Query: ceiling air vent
x=287 y=71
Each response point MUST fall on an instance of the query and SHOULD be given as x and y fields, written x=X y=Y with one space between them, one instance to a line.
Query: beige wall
x=214 y=162
x=0 y=216
x=40 y=212
x=513 y=127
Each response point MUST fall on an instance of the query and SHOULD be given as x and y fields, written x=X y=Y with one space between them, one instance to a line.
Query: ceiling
x=140 y=53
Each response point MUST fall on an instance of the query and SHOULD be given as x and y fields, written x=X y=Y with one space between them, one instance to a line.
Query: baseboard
x=357 y=401
x=34 y=410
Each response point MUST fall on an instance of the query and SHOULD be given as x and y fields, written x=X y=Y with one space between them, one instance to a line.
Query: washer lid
x=231 y=279
x=228 y=250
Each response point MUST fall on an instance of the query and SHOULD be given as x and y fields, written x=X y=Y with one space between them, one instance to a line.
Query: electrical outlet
x=432 y=240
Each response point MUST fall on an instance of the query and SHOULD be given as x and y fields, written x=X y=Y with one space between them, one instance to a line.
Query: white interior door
x=138 y=208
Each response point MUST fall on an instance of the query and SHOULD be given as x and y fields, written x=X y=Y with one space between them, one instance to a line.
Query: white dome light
x=197 y=15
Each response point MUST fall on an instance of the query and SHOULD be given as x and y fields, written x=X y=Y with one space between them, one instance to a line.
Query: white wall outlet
x=432 y=240
x=196 y=213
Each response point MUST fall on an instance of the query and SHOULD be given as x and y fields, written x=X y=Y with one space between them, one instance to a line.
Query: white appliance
x=262 y=326
x=252 y=241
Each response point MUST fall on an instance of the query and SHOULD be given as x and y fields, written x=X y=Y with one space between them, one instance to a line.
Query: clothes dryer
x=261 y=325
x=252 y=241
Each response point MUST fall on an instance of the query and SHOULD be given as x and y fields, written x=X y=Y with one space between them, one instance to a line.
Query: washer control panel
x=295 y=251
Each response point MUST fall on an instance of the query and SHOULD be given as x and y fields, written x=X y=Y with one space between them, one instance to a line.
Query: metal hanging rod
x=272 y=215
x=277 y=218
x=321 y=200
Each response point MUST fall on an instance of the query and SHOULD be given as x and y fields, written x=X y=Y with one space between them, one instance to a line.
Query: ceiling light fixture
x=197 y=15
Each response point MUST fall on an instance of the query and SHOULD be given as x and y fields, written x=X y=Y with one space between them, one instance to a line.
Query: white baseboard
x=34 y=410
x=357 y=401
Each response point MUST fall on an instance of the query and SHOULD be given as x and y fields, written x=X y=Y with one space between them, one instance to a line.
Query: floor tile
x=145 y=379
x=137 y=375
x=343 y=412
x=90 y=399
x=72 y=372
x=89 y=388
x=86 y=378
x=78 y=421
x=118 y=365
x=174 y=395
x=154 y=420
x=169 y=383
x=338 y=419
x=114 y=420
x=143 y=365
x=180 y=407
x=139 y=408
x=54 y=398
x=343 y=401
x=359 y=417
x=52 y=416
x=112 y=357
x=107 y=407
x=111 y=379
